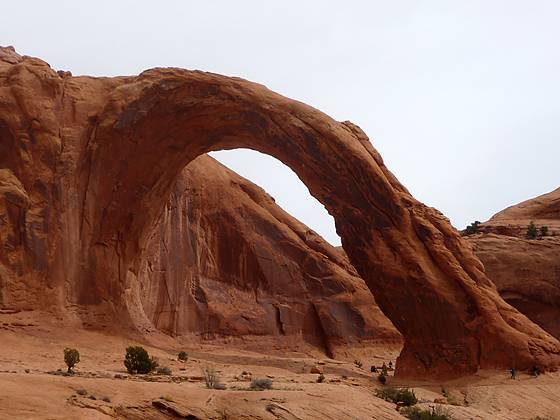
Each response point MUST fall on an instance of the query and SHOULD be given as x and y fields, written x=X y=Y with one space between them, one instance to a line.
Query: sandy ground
x=31 y=352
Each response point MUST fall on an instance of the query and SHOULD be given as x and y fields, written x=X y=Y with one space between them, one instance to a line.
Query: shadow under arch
x=423 y=275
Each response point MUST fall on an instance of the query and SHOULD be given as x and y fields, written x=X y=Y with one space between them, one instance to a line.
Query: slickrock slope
x=226 y=261
x=526 y=272
x=97 y=159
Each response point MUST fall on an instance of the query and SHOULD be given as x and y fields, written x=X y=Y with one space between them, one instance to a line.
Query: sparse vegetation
x=358 y=363
x=71 y=358
x=472 y=228
x=211 y=378
x=382 y=378
x=260 y=384
x=544 y=231
x=137 y=360
x=532 y=231
x=321 y=378
x=81 y=391
x=437 y=413
x=163 y=370
x=403 y=396
x=183 y=356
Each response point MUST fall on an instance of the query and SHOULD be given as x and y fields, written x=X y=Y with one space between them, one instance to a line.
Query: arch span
x=424 y=276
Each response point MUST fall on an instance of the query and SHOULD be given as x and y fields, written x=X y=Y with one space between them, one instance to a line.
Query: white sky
x=462 y=98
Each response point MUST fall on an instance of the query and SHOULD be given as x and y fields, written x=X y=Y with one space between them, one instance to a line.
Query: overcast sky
x=462 y=98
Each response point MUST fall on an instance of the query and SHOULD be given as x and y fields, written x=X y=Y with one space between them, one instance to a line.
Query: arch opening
x=289 y=192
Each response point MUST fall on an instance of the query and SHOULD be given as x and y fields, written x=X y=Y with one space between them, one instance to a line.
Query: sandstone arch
x=126 y=140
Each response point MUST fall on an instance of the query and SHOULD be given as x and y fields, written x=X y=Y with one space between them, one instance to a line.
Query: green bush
x=532 y=231
x=183 y=356
x=472 y=228
x=71 y=358
x=321 y=378
x=403 y=396
x=544 y=231
x=137 y=360
x=382 y=378
x=437 y=413
x=261 y=384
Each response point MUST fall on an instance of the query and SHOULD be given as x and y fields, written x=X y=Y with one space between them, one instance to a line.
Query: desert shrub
x=532 y=231
x=211 y=378
x=387 y=393
x=382 y=378
x=137 y=360
x=472 y=228
x=260 y=384
x=321 y=378
x=183 y=356
x=358 y=363
x=402 y=396
x=544 y=231
x=163 y=370
x=71 y=358
x=437 y=413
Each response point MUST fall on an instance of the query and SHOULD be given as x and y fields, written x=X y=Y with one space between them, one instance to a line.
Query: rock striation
x=98 y=159
x=525 y=271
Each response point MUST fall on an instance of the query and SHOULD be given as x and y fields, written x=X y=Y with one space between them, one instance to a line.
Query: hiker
x=390 y=364
x=536 y=371
x=513 y=373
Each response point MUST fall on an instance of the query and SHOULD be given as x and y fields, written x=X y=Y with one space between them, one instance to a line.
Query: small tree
x=472 y=228
x=532 y=231
x=183 y=356
x=544 y=231
x=137 y=360
x=71 y=358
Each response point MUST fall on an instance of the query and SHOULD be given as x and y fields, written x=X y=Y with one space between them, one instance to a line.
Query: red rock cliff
x=526 y=271
x=226 y=261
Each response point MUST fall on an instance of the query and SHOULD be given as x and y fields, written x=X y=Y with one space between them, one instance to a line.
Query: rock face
x=526 y=271
x=226 y=261
x=98 y=159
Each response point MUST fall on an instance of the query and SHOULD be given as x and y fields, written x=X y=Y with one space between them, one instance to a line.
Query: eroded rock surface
x=99 y=157
x=526 y=271
x=226 y=261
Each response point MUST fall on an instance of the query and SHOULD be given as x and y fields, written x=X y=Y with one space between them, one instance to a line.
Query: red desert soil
x=32 y=344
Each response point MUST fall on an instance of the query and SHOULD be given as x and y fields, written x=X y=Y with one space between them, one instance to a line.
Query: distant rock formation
x=94 y=161
x=526 y=271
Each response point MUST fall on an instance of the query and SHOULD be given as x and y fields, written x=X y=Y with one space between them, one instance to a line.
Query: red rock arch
x=97 y=157
x=424 y=276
